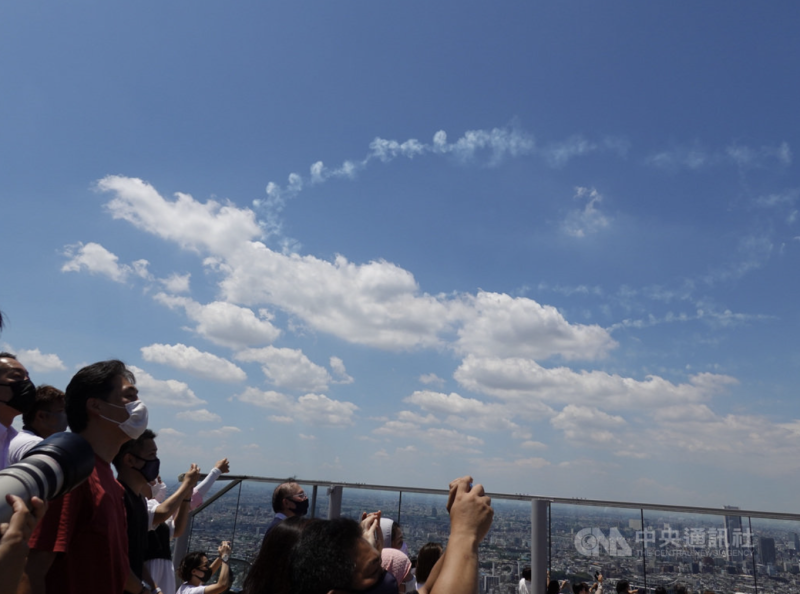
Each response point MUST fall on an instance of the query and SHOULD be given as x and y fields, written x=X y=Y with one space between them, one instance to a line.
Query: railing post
x=539 y=544
x=334 y=501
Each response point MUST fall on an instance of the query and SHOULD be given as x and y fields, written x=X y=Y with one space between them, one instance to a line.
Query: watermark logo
x=590 y=541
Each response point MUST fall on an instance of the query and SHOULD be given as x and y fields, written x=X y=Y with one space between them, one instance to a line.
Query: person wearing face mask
x=288 y=500
x=45 y=418
x=17 y=396
x=81 y=543
x=195 y=570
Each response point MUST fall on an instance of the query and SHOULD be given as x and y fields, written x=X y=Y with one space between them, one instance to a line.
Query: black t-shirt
x=158 y=543
x=136 y=512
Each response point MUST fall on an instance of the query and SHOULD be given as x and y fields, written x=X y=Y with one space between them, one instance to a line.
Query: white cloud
x=442 y=440
x=169 y=432
x=589 y=424
x=589 y=219
x=306 y=437
x=221 y=433
x=558 y=154
x=288 y=368
x=284 y=420
x=36 y=361
x=224 y=323
x=211 y=226
x=524 y=383
x=314 y=409
x=376 y=304
x=533 y=445
x=745 y=157
x=431 y=379
x=339 y=370
x=193 y=361
x=96 y=259
x=201 y=416
x=469 y=412
x=176 y=283
x=164 y=392
x=502 y=325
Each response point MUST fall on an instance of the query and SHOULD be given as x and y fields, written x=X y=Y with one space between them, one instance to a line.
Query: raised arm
x=470 y=519
x=184 y=493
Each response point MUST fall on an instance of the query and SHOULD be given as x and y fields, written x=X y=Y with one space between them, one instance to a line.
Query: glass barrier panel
x=587 y=540
x=424 y=519
x=693 y=550
x=506 y=550
x=356 y=501
x=775 y=545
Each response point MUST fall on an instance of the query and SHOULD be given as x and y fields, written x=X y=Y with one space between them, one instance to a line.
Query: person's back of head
x=581 y=588
x=93 y=381
x=397 y=563
x=660 y=590
x=553 y=587
x=623 y=586
x=324 y=557
x=47 y=415
x=680 y=589
x=271 y=572
x=428 y=556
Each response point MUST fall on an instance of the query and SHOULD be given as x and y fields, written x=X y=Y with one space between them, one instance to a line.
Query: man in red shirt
x=81 y=544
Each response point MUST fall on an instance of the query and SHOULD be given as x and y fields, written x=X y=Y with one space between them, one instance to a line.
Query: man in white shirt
x=17 y=396
x=45 y=418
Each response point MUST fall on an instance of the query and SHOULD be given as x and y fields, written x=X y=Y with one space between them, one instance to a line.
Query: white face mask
x=136 y=423
x=159 y=491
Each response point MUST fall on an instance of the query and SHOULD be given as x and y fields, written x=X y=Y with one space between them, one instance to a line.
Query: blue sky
x=553 y=245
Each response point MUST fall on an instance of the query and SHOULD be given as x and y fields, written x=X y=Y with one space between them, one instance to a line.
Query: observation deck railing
x=705 y=549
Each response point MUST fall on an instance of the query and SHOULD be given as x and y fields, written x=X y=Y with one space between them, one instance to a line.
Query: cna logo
x=589 y=541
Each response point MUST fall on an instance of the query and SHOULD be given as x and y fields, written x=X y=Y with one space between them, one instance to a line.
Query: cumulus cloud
x=176 y=283
x=165 y=392
x=95 y=259
x=431 y=379
x=36 y=361
x=221 y=433
x=288 y=368
x=441 y=440
x=524 y=382
x=209 y=227
x=198 y=363
x=224 y=323
x=339 y=370
x=461 y=412
x=587 y=220
x=502 y=325
x=201 y=416
x=314 y=409
x=588 y=424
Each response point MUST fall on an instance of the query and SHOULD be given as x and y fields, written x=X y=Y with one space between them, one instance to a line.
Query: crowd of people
x=111 y=533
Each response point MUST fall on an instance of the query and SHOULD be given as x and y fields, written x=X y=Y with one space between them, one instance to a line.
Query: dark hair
x=132 y=446
x=93 y=381
x=5 y=355
x=680 y=589
x=323 y=559
x=280 y=493
x=526 y=572
x=580 y=587
x=623 y=586
x=190 y=562
x=660 y=590
x=46 y=397
x=271 y=572
x=553 y=587
x=428 y=556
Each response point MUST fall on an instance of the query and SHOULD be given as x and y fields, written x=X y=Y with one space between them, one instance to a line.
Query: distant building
x=733 y=524
x=766 y=550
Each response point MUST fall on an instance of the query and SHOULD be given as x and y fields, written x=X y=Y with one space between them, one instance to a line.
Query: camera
x=51 y=468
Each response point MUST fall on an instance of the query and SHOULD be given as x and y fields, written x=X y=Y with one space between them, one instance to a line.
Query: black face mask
x=300 y=507
x=150 y=469
x=206 y=574
x=386 y=585
x=23 y=395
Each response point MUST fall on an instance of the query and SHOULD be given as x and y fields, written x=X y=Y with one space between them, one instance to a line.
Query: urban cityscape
x=705 y=553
